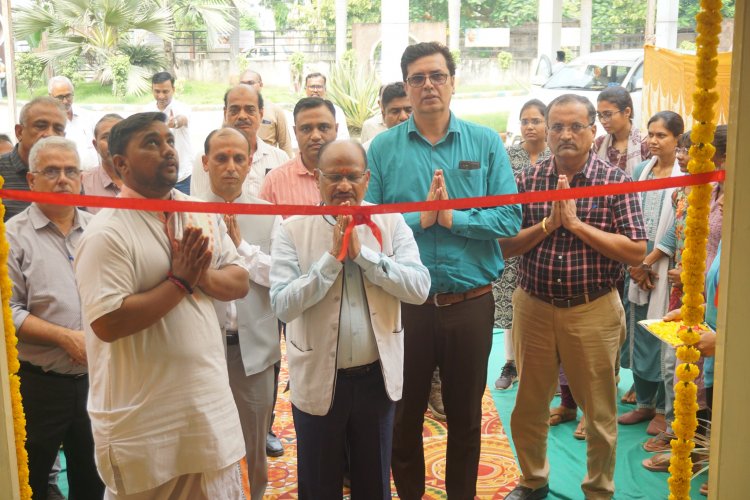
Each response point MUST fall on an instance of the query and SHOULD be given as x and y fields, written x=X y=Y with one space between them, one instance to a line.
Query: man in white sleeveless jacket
x=340 y=297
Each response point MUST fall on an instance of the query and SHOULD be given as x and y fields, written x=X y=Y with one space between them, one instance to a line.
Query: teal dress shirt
x=474 y=163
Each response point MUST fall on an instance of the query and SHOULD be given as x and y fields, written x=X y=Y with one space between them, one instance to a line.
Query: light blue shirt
x=474 y=163
x=712 y=288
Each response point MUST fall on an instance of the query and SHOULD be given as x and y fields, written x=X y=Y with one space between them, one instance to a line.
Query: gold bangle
x=544 y=226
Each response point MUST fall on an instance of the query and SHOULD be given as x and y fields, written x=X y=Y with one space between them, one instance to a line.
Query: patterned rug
x=498 y=472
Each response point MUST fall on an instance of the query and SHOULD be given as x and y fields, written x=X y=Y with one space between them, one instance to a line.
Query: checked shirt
x=562 y=265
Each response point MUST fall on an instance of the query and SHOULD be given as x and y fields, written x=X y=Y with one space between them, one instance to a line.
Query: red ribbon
x=358 y=220
x=414 y=206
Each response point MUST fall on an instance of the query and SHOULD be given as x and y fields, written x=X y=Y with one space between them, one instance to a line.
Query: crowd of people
x=150 y=341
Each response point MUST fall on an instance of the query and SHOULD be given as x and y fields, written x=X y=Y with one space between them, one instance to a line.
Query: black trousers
x=457 y=339
x=362 y=419
x=55 y=409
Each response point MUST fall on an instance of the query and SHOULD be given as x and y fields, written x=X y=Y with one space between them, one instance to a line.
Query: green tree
x=94 y=30
x=29 y=70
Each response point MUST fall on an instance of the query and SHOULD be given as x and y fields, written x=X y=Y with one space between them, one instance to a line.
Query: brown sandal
x=580 y=432
x=561 y=414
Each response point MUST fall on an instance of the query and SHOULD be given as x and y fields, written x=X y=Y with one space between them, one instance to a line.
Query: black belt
x=233 y=338
x=576 y=300
x=25 y=365
x=443 y=299
x=358 y=371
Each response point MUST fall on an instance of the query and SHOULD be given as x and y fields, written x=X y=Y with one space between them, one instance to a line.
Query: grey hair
x=52 y=142
x=58 y=79
x=45 y=100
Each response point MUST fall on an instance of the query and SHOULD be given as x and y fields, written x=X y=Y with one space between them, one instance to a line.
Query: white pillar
x=454 y=23
x=550 y=26
x=586 y=15
x=394 y=35
x=340 y=28
x=667 y=12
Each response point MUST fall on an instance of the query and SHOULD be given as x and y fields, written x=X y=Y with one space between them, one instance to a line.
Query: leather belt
x=40 y=371
x=233 y=338
x=576 y=300
x=448 y=299
x=358 y=371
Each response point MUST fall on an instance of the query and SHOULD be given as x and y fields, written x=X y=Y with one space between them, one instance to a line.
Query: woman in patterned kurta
x=533 y=148
x=646 y=288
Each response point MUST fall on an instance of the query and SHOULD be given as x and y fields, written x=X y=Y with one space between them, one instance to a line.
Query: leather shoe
x=274 y=448
x=526 y=493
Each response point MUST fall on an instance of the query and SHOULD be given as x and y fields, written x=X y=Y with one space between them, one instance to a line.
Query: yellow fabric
x=669 y=83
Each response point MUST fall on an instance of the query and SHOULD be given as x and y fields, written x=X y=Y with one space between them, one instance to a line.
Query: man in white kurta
x=164 y=421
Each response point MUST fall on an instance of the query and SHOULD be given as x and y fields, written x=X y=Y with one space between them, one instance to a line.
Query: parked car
x=587 y=75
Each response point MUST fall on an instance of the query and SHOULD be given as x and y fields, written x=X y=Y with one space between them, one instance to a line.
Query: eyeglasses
x=336 y=178
x=533 y=121
x=682 y=151
x=53 y=173
x=607 y=115
x=316 y=87
x=64 y=97
x=417 y=81
x=576 y=128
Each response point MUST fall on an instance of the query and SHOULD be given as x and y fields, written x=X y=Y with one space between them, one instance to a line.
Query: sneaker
x=435 y=402
x=508 y=376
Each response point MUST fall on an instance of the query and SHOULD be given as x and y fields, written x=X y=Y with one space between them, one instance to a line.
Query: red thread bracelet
x=181 y=283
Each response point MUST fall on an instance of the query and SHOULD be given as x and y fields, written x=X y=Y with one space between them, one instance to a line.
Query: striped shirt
x=291 y=184
x=562 y=265
x=13 y=171
x=264 y=160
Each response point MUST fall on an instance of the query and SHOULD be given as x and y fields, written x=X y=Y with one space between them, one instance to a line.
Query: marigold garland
x=694 y=256
x=19 y=418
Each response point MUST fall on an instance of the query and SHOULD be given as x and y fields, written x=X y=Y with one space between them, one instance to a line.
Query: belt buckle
x=435 y=300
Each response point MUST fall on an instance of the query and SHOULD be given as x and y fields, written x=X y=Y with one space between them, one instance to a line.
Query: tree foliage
x=29 y=70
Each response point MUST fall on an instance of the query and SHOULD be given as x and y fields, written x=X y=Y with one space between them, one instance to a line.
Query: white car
x=587 y=76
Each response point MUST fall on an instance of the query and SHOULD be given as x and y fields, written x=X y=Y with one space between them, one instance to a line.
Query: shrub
x=504 y=59
x=119 y=66
x=70 y=68
x=355 y=90
x=297 y=67
x=29 y=70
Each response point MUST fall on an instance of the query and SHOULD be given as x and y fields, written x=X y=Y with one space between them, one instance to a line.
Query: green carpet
x=567 y=456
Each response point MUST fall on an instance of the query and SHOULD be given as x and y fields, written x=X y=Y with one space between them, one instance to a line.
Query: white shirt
x=372 y=127
x=266 y=157
x=159 y=400
x=181 y=135
x=81 y=131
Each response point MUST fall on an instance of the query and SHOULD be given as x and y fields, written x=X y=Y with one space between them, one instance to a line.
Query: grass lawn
x=495 y=121
x=190 y=92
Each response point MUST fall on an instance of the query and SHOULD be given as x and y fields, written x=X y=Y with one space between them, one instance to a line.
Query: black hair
x=316 y=74
x=311 y=103
x=106 y=118
x=720 y=140
x=5 y=138
x=619 y=97
x=420 y=50
x=392 y=91
x=534 y=103
x=572 y=98
x=672 y=122
x=162 y=77
x=684 y=141
x=207 y=142
x=243 y=85
x=120 y=135
x=561 y=55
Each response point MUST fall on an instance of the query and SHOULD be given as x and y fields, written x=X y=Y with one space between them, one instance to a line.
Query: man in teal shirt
x=435 y=156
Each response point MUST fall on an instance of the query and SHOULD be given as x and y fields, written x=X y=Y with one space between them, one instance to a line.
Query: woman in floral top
x=533 y=148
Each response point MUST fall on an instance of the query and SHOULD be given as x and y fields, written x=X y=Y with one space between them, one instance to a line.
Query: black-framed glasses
x=53 y=173
x=417 y=81
x=534 y=121
x=336 y=178
x=65 y=97
x=607 y=115
x=576 y=128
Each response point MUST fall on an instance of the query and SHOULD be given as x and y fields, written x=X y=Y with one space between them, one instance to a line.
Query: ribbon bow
x=357 y=220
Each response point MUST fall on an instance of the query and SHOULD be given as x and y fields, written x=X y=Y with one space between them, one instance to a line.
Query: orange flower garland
x=19 y=419
x=694 y=256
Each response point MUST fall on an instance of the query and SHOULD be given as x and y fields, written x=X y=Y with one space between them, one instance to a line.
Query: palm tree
x=97 y=30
